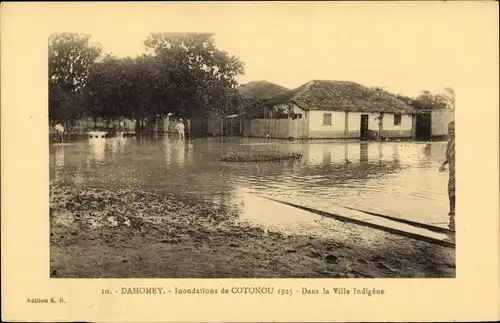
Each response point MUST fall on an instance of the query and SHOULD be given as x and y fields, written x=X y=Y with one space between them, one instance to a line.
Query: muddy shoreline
x=100 y=233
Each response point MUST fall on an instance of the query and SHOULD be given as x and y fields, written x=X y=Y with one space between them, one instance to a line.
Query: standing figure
x=450 y=160
x=60 y=131
x=179 y=127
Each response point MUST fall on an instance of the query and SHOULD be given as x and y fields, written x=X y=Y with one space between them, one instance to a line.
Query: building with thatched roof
x=255 y=94
x=342 y=109
x=261 y=90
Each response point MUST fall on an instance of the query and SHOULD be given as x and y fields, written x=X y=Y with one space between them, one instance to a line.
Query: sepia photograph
x=199 y=155
x=264 y=161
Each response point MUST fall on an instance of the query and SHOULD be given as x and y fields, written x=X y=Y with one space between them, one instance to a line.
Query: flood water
x=394 y=178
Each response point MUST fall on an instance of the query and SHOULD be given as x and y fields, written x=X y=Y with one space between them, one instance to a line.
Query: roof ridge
x=305 y=88
x=262 y=82
x=341 y=95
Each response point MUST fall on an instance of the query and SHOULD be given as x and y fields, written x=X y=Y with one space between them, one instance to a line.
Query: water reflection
x=181 y=152
x=294 y=221
x=327 y=155
x=59 y=154
x=166 y=149
x=363 y=153
x=380 y=153
x=117 y=144
x=398 y=179
x=97 y=146
x=59 y=160
x=176 y=151
x=323 y=154
x=395 y=153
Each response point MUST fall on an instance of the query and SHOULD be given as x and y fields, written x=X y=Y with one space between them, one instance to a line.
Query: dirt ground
x=127 y=234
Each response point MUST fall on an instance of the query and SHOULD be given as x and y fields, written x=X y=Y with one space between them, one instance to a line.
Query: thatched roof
x=342 y=96
x=261 y=90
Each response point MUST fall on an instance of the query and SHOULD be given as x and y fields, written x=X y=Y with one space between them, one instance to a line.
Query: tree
x=253 y=108
x=186 y=75
x=197 y=66
x=223 y=102
x=107 y=91
x=450 y=95
x=71 y=55
x=428 y=101
x=281 y=112
x=65 y=107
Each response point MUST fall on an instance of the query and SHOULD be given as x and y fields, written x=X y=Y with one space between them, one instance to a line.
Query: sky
x=403 y=47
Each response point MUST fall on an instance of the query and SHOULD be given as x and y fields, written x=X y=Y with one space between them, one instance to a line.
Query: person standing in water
x=179 y=127
x=450 y=161
x=60 y=131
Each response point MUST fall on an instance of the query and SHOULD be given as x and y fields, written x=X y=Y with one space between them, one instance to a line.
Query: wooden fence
x=202 y=127
x=276 y=128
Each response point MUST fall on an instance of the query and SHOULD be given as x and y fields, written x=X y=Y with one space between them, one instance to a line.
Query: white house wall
x=404 y=130
x=339 y=152
x=354 y=121
x=406 y=123
x=337 y=129
x=318 y=130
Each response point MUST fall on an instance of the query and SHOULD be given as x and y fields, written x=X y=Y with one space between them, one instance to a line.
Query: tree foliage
x=427 y=101
x=254 y=108
x=181 y=74
x=70 y=57
x=198 y=69
x=224 y=101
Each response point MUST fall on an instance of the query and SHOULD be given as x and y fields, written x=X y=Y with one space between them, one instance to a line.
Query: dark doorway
x=423 y=126
x=364 y=134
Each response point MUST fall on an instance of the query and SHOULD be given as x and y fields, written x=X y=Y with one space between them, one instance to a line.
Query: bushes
x=241 y=157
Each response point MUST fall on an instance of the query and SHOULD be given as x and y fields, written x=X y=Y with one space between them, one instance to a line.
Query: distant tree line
x=427 y=100
x=185 y=75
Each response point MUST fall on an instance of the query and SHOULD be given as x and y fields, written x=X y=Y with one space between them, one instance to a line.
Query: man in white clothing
x=179 y=127
x=60 y=131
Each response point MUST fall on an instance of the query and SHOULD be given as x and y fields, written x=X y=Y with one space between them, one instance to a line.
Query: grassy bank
x=124 y=233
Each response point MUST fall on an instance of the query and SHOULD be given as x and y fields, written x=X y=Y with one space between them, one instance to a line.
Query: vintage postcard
x=250 y=161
